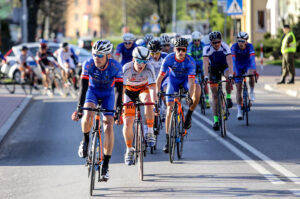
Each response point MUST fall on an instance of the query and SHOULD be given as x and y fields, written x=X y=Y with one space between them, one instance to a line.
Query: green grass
x=114 y=40
x=279 y=62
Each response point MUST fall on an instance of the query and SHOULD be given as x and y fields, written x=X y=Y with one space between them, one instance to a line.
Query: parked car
x=11 y=68
x=85 y=42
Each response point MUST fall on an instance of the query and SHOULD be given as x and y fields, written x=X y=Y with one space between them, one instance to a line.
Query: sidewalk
x=273 y=73
x=11 y=107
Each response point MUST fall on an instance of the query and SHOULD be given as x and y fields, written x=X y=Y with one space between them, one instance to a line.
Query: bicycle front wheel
x=93 y=163
x=140 y=151
x=10 y=87
x=245 y=105
x=172 y=137
x=222 y=114
x=180 y=136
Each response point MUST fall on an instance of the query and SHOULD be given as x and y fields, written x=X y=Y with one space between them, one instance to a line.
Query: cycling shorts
x=240 y=70
x=132 y=96
x=217 y=72
x=107 y=97
x=173 y=87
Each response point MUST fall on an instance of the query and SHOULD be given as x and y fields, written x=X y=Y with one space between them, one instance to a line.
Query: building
x=83 y=18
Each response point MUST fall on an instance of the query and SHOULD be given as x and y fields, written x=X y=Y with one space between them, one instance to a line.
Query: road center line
x=273 y=179
x=294 y=178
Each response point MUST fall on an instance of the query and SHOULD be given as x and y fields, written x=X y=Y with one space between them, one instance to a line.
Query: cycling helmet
x=24 y=48
x=181 y=42
x=148 y=37
x=165 y=39
x=139 y=42
x=154 y=45
x=215 y=35
x=64 y=44
x=102 y=46
x=196 y=35
x=128 y=37
x=242 y=35
x=141 y=52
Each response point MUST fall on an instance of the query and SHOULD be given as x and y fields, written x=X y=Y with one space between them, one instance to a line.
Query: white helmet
x=196 y=35
x=141 y=52
x=242 y=35
x=139 y=42
x=128 y=37
x=165 y=39
x=102 y=46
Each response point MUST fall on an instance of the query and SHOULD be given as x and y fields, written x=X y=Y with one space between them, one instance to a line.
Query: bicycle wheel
x=202 y=101
x=172 y=134
x=140 y=151
x=245 y=105
x=93 y=165
x=180 y=136
x=222 y=114
x=10 y=87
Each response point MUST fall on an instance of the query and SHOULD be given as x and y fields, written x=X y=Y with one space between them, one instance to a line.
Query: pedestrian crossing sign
x=234 y=7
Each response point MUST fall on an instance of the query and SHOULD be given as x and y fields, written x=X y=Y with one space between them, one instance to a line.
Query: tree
x=33 y=7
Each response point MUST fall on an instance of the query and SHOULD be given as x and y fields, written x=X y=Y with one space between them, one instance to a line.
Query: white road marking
x=273 y=179
x=257 y=153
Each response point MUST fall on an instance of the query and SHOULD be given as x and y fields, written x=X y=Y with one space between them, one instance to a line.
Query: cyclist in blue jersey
x=195 y=49
x=182 y=70
x=156 y=59
x=148 y=37
x=97 y=83
x=218 y=56
x=243 y=57
x=125 y=49
x=165 y=42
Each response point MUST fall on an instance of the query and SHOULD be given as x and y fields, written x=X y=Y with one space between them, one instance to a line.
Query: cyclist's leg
x=228 y=88
x=195 y=98
x=238 y=82
x=251 y=83
x=22 y=70
x=215 y=76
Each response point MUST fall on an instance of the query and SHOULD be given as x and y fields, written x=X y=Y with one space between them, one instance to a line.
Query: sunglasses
x=98 y=55
x=181 y=49
x=140 y=61
x=241 y=41
x=127 y=43
x=154 y=53
x=197 y=40
x=216 y=42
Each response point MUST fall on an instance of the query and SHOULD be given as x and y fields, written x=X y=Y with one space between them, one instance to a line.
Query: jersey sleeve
x=226 y=49
x=85 y=70
x=119 y=73
x=126 y=71
x=119 y=49
x=233 y=52
x=205 y=51
x=164 y=66
x=252 y=56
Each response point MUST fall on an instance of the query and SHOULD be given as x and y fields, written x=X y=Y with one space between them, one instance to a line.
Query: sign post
x=234 y=7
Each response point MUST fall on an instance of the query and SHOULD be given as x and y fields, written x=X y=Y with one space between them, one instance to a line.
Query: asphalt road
x=39 y=156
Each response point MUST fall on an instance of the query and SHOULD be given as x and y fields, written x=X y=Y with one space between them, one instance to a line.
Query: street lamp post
x=24 y=21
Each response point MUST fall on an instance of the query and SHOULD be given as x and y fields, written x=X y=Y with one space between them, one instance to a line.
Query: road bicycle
x=202 y=102
x=158 y=122
x=95 y=154
x=176 y=129
x=246 y=102
x=222 y=109
x=139 y=141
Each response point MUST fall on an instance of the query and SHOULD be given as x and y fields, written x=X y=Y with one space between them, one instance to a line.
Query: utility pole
x=174 y=16
x=124 y=16
x=24 y=21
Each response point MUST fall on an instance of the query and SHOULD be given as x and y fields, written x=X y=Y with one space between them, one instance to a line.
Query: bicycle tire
x=172 y=133
x=10 y=87
x=92 y=176
x=203 y=105
x=221 y=114
x=180 y=138
x=245 y=104
x=140 y=151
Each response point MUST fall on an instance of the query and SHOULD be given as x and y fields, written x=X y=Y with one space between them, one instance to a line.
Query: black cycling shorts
x=217 y=72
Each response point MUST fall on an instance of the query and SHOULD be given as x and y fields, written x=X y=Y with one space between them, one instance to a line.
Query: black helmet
x=154 y=45
x=181 y=42
x=64 y=44
x=24 y=48
x=215 y=35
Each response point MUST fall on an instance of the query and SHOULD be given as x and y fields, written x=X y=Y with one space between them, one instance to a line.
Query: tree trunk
x=33 y=7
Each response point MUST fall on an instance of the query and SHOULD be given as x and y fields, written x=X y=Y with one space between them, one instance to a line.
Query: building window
x=76 y=2
x=261 y=20
x=76 y=17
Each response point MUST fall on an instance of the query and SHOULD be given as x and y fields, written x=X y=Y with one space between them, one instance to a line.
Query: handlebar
x=97 y=109
x=138 y=103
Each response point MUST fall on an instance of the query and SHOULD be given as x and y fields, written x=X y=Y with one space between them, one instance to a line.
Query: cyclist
x=2 y=58
x=218 y=56
x=195 y=49
x=139 y=82
x=44 y=63
x=165 y=42
x=148 y=37
x=156 y=59
x=97 y=82
x=66 y=59
x=24 y=68
x=243 y=57
x=125 y=49
x=181 y=69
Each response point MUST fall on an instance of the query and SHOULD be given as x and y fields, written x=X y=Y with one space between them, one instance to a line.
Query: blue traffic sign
x=234 y=7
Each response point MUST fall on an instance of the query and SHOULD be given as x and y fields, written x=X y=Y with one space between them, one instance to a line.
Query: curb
x=13 y=118
x=289 y=92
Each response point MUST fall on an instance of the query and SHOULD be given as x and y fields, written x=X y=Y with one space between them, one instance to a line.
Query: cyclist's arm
x=252 y=57
x=153 y=95
x=118 y=53
x=205 y=61
x=191 y=76
x=119 y=87
x=233 y=52
x=230 y=65
x=84 y=83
